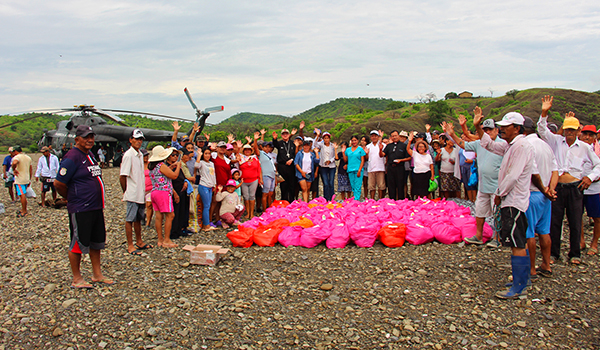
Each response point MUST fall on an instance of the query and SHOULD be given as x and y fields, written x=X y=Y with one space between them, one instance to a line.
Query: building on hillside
x=465 y=94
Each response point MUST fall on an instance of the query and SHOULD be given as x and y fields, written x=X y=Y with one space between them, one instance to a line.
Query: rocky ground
x=431 y=296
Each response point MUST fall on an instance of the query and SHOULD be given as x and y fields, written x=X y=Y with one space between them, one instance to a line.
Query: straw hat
x=160 y=153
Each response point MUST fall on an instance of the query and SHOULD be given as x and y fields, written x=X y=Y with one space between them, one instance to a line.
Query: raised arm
x=410 y=138
x=449 y=130
x=462 y=120
x=477 y=118
x=176 y=128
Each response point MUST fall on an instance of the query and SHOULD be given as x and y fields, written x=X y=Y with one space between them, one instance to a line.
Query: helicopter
x=114 y=138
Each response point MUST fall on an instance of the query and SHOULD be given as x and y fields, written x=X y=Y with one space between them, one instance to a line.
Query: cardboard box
x=203 y=254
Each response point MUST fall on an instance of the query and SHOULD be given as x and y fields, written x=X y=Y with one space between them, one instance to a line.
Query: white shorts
x=484 y=205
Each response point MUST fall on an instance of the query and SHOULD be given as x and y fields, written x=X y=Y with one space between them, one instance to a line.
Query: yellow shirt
x=24 y=178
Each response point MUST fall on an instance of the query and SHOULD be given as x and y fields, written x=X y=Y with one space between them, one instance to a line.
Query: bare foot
x=170 y=244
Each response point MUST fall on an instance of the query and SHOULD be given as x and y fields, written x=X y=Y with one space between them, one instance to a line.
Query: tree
x=395 y=105
x=512 y=93
x=450 y=95
x=437 y=111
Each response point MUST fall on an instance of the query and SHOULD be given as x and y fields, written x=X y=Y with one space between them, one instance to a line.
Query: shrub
x=512 y=93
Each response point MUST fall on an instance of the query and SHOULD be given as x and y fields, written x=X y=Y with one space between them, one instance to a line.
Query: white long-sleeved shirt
x=545 y=160
x=570 y=159
x=514 y=178
x=47 y=170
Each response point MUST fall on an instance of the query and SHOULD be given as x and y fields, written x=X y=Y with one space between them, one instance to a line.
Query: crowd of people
x=523 y=174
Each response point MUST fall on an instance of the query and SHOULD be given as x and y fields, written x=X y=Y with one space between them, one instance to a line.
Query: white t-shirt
x=446 y=166
x=422 y=162
x=132 y=166
x=307 y=163
x=376 y=163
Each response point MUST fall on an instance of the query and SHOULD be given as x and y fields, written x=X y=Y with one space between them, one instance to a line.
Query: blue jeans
x=356 y=184
x=206 y=196
x=328 y=176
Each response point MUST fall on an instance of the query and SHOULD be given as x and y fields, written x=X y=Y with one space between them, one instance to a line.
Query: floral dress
x=159 y=181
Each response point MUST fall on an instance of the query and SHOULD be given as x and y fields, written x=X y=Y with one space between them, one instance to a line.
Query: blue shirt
x=354 y=158
x=488 y=166
x=83 y=177
x=266 y=164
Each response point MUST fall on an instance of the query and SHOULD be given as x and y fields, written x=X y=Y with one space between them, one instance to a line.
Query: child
x=231 y=206
x=423 y=168
x=236 y=174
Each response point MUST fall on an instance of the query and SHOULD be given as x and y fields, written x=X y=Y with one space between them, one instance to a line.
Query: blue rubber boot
x=520 y=271
x=510 y=284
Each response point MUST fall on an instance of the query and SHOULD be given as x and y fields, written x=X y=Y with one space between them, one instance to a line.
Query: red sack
x=392 y=235
x=339 y=236
x=418 y=234
x=265 y=236
x=290 y=236
x=280 y=204
x=242 y=237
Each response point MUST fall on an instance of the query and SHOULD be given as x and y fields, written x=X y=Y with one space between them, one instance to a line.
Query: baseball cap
x=284 y=131
x=260 y=142
x=403 y=133
x=571 y=123
x=307 y=142
x=298 y=137
x=374 y=132
x=45 y=149
x=552 y=127
x=137 y=134
x=511 y=118
x=17 y=148
x=420 y=135
x=84 y=130
x=528 y=123
x=326 y=133
x=185 y=137
x=589 y=128
x=270 y=144
x=11 y=149
x=229 y=146
x=231 y=182
x=222 y=144
x=435 y=132
x=488 y=123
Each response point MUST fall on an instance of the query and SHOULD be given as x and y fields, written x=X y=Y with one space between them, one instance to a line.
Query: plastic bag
x=433 y=185
x=418 y=234
x=392 y=235
x=339 y=236
x=444 y=232
x=313 y=236
x=30 y=192
x=266 y=236
x=303 y=222
x=242 y=237
x=290 y=236
x=280 y=204
x=473 y=179
x=364 y=235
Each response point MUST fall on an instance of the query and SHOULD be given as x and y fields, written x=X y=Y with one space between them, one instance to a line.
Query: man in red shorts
x=79 y=180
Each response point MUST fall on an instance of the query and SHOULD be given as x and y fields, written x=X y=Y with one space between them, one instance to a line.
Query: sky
x=272 y=57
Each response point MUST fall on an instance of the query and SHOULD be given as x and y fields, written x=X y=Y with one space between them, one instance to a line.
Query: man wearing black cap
x=132 y=181
x=79 y=180
x=286 y=152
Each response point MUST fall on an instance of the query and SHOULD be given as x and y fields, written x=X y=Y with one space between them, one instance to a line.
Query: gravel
x=431 y=296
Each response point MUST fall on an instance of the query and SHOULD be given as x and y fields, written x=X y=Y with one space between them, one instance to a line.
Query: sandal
x=105 y=281
x=544 y=273
x=145 y=246
x=82 y=285
x=575 y=261
x=592 y=251
x=136 y=252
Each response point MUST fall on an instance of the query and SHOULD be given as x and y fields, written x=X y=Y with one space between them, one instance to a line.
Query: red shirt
x=250 y=170
x=222 y=171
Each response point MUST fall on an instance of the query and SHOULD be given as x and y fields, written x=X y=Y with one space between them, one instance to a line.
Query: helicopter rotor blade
x=145 y=113
x=109 y=116
x=20 y=121
x=214 y=109
x=189 y=97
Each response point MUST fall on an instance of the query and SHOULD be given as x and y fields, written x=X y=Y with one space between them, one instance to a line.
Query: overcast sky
x=283 y=58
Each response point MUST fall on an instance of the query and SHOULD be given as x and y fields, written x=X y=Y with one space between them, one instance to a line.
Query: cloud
x=283 y=58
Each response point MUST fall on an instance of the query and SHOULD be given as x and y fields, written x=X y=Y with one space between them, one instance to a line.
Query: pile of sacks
x=337 y=224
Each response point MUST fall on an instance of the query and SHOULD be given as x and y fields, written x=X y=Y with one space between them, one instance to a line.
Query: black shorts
x=47 y=184
x=514 y=228
x=87 y=231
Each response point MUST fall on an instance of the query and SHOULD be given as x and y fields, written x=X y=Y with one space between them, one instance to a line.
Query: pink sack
x=466 y=224
x=339 y=236
x=418 y=234
x=313 y=236
x=290 y=236
x=364 y=235
x=488 y=232
x=444 y=232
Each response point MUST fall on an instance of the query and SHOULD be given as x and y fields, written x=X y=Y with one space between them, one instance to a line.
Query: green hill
x=344 y=117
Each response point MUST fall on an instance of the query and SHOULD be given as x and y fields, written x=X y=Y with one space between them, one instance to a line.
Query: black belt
x=568 y=184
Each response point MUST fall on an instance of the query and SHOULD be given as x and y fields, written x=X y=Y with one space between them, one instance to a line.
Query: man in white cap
x=46 y=171
x=572 y=157
x=133 y=184
x=512 y=195
x=376 y=166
